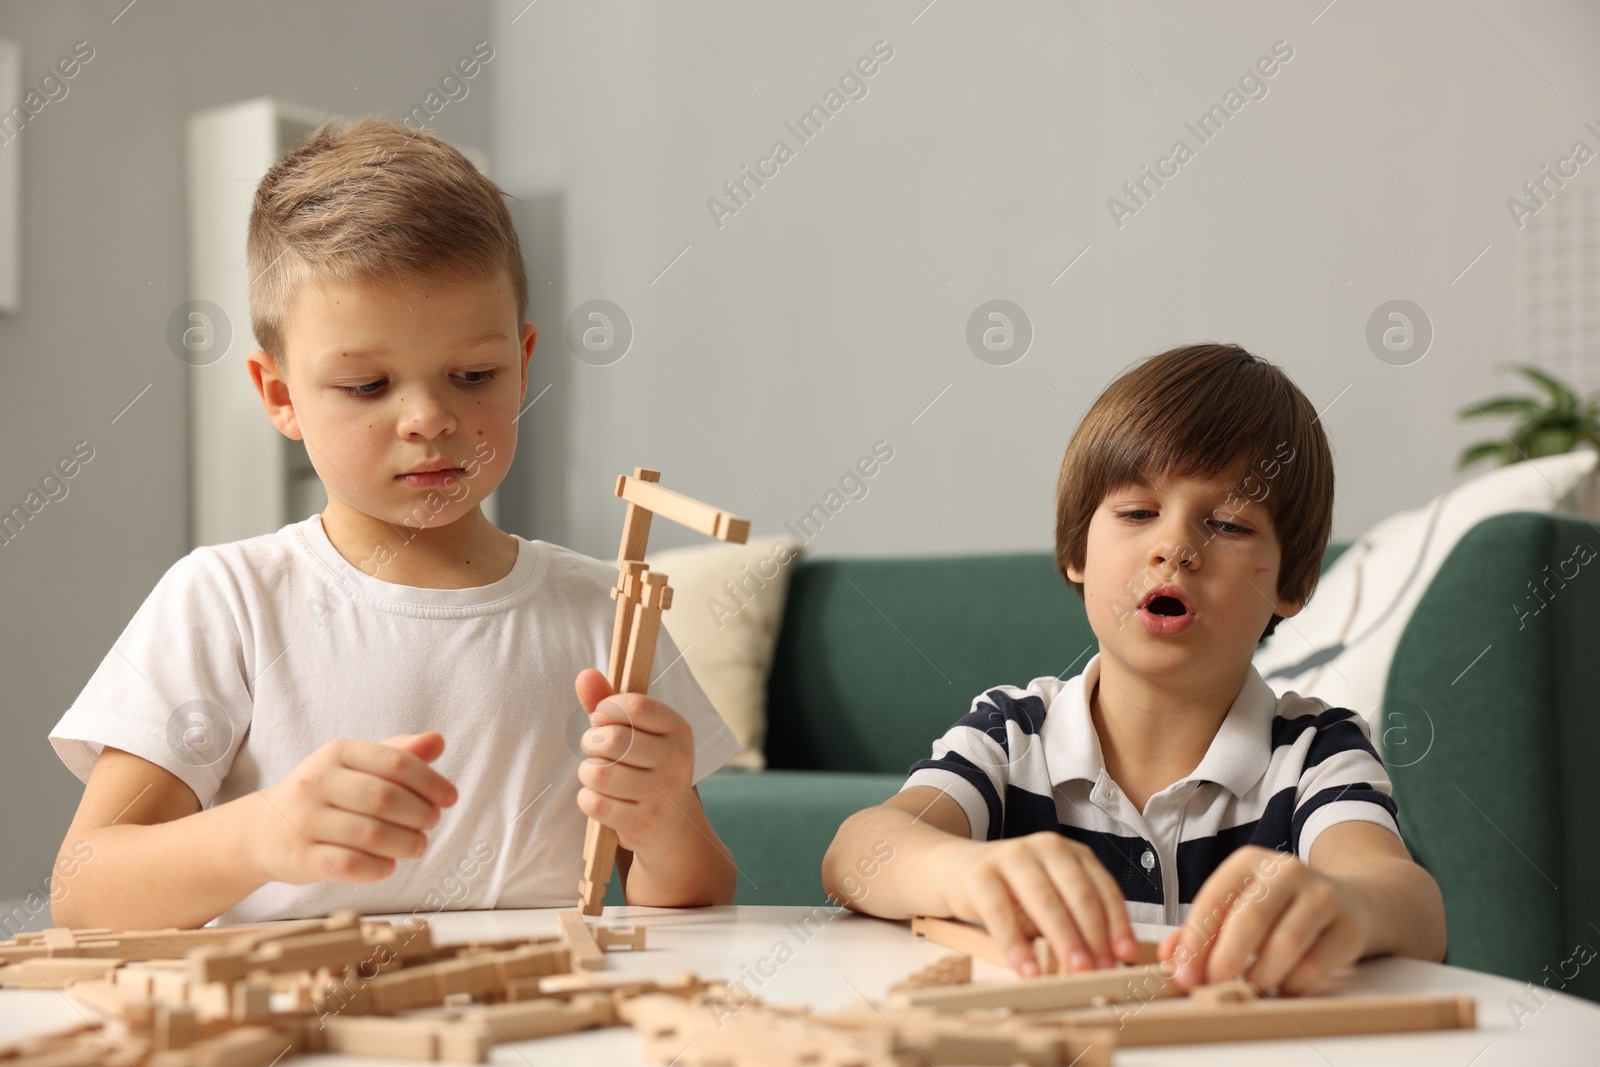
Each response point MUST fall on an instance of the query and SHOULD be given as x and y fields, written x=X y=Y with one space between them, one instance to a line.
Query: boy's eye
x=1233 y=528
x=371 y=388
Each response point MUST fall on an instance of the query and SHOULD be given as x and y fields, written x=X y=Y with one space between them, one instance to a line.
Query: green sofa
x=876 y=658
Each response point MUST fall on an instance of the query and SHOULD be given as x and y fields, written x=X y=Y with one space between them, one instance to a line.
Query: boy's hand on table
x=1300 y=924
x=1042 y=883
x=638 y=778
x=351 y=809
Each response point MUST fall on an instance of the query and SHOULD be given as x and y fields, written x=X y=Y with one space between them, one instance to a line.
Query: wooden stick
x=1183 y=1022
x=713 y=522
x=1048 y=993
x=587 y=954
x=641 y=597
x=974 y=940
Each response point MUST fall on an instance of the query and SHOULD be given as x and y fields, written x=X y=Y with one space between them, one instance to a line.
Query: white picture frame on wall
x=10 y=178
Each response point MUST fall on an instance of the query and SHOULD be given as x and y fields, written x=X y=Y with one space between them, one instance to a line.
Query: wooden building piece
x=586 y=952
x=1053 y=992
x=610 y=937
x=138 y=945
x=984 y=1037
x=951 y=970
x=974 y=940
x=685 y=511
x=411 y=1039
x=641 y=597
x=49 y=972
x=1185 y=1022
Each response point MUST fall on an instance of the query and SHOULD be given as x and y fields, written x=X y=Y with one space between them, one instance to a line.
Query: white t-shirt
x=248 y=656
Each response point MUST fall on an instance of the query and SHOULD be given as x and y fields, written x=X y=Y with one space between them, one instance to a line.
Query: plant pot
x=1583 y=499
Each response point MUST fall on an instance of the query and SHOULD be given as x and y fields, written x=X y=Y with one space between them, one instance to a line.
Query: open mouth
x=1166 y=610
x=1166 y=606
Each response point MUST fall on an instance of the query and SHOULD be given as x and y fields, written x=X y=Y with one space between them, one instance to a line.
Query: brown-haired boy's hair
x=372 y=200
x=1205 y=411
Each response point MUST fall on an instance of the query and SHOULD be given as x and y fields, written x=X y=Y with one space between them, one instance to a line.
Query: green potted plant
x=1551 y=425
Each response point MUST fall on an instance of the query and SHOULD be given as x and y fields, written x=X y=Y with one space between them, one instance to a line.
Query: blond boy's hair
x=1205 y=411
x=370 y=201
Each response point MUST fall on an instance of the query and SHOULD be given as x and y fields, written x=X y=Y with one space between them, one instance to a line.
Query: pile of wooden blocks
x=176 y=998
x=204 y=998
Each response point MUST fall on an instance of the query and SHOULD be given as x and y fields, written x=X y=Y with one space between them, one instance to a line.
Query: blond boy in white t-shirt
x=269 y=736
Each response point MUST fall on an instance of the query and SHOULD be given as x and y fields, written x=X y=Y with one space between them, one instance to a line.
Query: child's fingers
x=1040 y=897
x=638 y=711
x=617 y=780
x=615 y=743
x=1073 y=883
x=592 y=687
x=398 y=766
x=369 y=795
x=1245 y=929
x=336 y=863
x=427 y=746
x=998 y=912
x=1298 y=930
x=1328 y=958
x=363 y=833
x=1119 y=929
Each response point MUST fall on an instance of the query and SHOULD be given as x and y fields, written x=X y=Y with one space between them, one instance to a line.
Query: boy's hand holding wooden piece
x=638 y=778
x=351 y=810
x=1043 y=883
x=1300 y=925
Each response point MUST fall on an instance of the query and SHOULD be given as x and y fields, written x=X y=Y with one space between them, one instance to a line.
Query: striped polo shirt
x=1279 y=771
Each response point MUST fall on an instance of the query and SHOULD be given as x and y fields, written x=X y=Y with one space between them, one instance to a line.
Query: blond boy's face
x=1138 y=541
x=384 y=377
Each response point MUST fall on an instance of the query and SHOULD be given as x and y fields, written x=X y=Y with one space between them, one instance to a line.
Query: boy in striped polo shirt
x=1167 y=783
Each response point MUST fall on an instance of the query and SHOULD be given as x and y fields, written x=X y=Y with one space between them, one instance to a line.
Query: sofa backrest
x=876 y=658
x=1497 y=693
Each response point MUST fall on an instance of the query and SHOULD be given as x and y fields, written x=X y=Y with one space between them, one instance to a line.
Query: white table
x=840 y=957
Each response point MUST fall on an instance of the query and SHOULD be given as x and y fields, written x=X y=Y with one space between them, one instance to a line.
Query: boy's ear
x=273 y=389
x=530 y=335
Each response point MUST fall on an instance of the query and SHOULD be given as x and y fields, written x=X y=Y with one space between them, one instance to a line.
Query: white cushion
x=1339 y=648
x=727 y=638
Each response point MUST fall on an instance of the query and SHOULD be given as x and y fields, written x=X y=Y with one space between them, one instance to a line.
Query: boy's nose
x=1178 y=555
x=426 y=416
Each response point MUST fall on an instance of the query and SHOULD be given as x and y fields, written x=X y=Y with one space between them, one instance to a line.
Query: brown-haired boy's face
x=1137 y=539
x=386 y=376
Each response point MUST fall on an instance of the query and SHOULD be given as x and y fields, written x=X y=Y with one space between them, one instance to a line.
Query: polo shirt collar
x=1237 y=758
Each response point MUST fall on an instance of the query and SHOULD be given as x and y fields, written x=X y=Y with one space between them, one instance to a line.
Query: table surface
x=831 y=958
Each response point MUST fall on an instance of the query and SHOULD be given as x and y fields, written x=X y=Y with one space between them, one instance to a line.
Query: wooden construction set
x=641 y=595
x=251 y=996
x=248 y=996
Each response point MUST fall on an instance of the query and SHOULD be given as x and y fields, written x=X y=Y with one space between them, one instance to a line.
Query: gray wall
x=92 y=332
x=831 y=309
